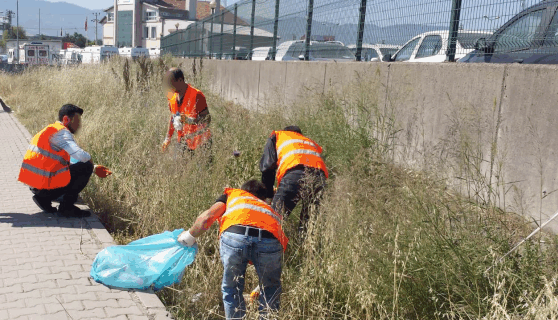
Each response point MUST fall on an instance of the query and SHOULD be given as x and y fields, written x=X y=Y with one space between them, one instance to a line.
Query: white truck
x=134 y=53
x=31 y=54
x=96 y=54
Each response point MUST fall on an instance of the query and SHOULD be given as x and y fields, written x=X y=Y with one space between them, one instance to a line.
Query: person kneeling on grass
x=250 y=230
x=46 y=167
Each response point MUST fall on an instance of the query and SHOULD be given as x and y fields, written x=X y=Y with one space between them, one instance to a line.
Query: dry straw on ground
x=388 y=242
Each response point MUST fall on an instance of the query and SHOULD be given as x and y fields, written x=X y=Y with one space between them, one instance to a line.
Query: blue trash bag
x=155 y=261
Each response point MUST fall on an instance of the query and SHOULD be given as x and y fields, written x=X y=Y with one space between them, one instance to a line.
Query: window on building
x=145 y=32
x=110 y=17
x=151 y=16
x=154 y=32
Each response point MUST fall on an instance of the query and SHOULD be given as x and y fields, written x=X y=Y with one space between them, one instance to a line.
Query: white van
x=133 y=53
x=96 y=54
x=154 y=52
x=70 y=56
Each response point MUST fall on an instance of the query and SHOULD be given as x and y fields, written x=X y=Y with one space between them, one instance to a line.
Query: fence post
x=360 y=35
x=454 y=28
x=221 y=37
x=202 y=39
x=275 y=30
x=252 y=29
x=211 y=36
x=234 y=31
x=309 y=29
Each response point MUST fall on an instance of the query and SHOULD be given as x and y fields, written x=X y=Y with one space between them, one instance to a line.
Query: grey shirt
x=64 y=140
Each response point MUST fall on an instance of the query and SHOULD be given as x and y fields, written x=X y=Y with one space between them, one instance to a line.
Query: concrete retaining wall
x=469 y=122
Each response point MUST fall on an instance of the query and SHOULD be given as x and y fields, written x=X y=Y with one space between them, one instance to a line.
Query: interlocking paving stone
x=45 y=259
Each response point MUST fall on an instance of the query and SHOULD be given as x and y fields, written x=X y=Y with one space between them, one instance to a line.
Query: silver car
x=319 y=51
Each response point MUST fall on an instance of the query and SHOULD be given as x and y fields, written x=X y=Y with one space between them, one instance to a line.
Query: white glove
x=177 y=122
x=186 y=239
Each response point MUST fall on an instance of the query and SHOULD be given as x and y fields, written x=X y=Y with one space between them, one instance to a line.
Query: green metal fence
x=365 y=30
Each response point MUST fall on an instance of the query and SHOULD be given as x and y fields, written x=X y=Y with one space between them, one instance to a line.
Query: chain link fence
x=365 y=30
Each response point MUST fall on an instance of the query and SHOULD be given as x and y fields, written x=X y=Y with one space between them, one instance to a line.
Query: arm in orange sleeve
x=202 y=110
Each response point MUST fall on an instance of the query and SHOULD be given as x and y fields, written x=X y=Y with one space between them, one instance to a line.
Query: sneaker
x=44 y=204
x=72 y=212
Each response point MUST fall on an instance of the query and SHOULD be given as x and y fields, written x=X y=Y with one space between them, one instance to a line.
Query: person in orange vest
x=47 y=167
x=296 y=163
x=189 y=113
x=250 y=231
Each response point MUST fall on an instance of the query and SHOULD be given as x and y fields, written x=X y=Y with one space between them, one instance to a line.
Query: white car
x=260 y=53
x=374 y=52
x=431 y=46
x=319 y=51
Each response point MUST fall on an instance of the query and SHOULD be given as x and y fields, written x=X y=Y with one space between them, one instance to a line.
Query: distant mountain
x=53 y=17
x=295 y=27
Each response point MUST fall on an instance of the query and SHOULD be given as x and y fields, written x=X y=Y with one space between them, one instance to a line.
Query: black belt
x=253 y=232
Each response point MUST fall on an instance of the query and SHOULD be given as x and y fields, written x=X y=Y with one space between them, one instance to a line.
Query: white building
x=142 y=23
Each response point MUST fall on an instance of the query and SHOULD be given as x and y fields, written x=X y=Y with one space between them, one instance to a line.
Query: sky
x=102 y=4
x=92 y=5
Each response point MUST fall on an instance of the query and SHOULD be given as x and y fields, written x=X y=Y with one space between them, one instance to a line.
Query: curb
x=149 y=301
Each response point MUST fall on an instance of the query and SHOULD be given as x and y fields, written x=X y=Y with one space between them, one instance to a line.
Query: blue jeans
x=266 y=254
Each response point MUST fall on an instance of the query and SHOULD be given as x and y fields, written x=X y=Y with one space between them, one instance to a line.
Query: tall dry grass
x=388 y=242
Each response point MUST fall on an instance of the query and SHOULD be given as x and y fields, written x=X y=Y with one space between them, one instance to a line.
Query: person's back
x=250 y=231
x=295 y=161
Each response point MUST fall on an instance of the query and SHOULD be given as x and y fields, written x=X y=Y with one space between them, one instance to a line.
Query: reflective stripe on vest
x=43 y=167
x=48 y=154
x=190 y=132
x=254 y=208
x=42 y=172
x=294 y=149
x=243 y=208
x=298 y=151
x=293 y=141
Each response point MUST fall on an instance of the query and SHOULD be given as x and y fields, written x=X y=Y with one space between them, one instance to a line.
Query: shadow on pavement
x=41 y=219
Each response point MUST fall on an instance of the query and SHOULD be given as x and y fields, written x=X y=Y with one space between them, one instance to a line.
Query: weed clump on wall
x=386 y=243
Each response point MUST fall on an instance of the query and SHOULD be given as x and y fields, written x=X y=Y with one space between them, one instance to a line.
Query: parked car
x=240 y=53
x=531 y=36
x=431 y=46
x=374 y=52
x=260 y=53
x=319 y=51
x=3 y=58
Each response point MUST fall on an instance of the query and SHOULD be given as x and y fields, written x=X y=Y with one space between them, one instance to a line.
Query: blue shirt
x=64 y=140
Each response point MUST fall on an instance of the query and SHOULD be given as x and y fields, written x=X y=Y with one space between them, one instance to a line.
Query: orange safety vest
x=43 y=167
x=294 y=149
x=194 y=134
x=243 y=208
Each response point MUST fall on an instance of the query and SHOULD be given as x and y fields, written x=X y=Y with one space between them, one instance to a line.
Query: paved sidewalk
x=45 y=260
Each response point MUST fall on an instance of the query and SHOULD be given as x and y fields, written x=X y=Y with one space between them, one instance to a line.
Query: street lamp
x=212 y=5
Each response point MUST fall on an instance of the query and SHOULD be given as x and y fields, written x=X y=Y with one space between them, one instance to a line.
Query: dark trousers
x=80 y=173
x=306 y=185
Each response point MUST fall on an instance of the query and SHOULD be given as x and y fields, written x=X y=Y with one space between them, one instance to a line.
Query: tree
x=12 y=33
x=92 y=43
x=77 y=38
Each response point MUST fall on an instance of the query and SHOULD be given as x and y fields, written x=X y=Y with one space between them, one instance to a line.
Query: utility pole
x=17 y=30
x=96 y=20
